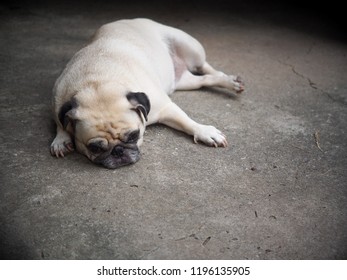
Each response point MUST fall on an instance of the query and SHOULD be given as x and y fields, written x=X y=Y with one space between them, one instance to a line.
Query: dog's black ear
x=67 y=113
x=141 y=103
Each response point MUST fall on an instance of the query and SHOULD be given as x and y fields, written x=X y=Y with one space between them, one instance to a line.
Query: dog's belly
x=179 y=66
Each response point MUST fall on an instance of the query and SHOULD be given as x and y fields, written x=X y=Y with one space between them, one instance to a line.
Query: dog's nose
x=118 y=151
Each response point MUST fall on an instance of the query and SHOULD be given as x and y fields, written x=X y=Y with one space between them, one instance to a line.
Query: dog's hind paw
x=240 y=85
x=236 y=84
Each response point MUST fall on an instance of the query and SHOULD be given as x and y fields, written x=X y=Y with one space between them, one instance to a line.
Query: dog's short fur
x=119 y=83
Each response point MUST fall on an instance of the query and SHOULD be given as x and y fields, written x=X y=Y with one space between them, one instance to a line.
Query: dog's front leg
x=62 y=143
x=173 y=116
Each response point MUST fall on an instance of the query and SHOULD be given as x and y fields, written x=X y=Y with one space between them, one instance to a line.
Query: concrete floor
x=272 y=194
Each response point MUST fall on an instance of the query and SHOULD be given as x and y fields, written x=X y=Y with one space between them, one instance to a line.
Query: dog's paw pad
x=211 y=136
x=239 y=85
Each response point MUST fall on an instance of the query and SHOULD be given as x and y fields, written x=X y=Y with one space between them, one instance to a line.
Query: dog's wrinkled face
x=109 y=134
x=109 y=144
x=126 y=151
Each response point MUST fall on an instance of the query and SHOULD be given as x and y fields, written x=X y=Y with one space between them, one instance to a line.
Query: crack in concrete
x=150 y=251
x=192 y=235
x=312 y=84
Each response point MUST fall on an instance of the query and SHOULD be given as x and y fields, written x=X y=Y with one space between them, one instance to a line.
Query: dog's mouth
x=118 y=157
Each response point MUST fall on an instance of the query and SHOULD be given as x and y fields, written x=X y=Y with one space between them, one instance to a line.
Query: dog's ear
x=140 y=102
x=67 y=113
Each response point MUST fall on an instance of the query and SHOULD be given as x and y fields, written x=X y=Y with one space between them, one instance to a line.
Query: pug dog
x=120 y=83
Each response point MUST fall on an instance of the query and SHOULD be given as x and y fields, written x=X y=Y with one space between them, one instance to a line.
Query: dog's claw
x=69 y=146
x=210 y=136
x=61 y=145
x=239 y=85
x=60 y=150
x=240 y=90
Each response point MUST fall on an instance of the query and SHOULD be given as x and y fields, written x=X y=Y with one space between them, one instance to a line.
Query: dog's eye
x=95 y=148
x=133 y=136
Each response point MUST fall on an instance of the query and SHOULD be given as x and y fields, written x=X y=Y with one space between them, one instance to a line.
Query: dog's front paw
x=61 y=145
x=211 y=136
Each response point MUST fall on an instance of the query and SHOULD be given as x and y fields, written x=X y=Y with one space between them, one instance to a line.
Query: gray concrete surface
x=272 y=194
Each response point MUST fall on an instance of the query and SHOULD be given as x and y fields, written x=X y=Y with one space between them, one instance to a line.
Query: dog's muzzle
x=119 y=156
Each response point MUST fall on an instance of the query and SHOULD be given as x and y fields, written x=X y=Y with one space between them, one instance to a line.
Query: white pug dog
x=119 y=83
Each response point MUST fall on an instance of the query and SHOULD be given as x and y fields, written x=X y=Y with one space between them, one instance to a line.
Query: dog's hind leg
x=192 y=71
x=189 y=81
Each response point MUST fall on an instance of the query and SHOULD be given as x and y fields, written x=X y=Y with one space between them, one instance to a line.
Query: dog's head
x=107 y=129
